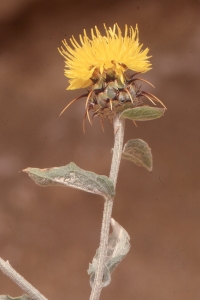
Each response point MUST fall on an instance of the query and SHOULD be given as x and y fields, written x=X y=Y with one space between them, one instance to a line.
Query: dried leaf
x=118 y=247
x=139 y=152
x=73 y=176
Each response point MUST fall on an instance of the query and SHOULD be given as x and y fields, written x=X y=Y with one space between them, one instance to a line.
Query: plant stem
x=8 y=270
x=119 y=125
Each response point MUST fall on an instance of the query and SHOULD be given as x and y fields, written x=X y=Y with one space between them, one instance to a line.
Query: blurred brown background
x=51 y=234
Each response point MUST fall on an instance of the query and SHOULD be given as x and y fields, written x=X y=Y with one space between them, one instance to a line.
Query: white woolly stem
x=8 y=270
x=119 y=125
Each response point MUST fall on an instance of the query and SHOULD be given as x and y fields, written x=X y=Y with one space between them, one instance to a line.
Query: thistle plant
x=108 y=67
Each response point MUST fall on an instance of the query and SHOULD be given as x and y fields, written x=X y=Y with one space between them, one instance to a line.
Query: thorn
x=84 y=122
x=129 y=95
x=101 y=121
x=135 y=74
x=88 y=116
x=88 y=98
x=85 y=95
x=111 y=106
x=95 y=114
x=135 y=123
x=155 y=98
x=144 y=81
x=148 y=98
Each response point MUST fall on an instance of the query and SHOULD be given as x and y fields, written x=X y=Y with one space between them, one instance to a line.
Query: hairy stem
x=8 y=270
x=119 y=125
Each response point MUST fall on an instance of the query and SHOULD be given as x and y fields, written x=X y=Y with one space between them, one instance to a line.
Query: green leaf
x=143 y=113
x=23 y=297
x=117 y=249
x=73 y=176
x=138 y=151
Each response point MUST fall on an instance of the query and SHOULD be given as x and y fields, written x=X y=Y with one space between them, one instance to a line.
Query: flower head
x=114 y=53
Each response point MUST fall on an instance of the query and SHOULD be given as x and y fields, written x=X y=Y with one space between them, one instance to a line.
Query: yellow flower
x=89 y=59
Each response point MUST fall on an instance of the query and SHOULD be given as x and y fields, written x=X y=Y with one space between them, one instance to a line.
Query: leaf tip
x=24 y=170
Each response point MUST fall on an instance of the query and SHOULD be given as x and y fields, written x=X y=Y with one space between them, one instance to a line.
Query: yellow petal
x=110 y=51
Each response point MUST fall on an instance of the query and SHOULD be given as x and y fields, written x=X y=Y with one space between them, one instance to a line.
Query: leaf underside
x=73 y=176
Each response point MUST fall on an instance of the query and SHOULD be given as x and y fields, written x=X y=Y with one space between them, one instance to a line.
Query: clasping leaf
x=118 y=247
